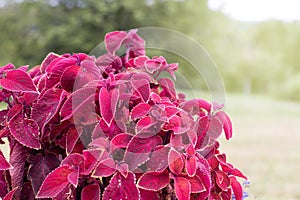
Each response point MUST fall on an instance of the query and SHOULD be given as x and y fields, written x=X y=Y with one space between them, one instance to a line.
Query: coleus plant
x=111 y=127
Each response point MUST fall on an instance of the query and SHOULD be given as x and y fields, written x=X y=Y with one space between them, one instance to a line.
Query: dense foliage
x=111 y=127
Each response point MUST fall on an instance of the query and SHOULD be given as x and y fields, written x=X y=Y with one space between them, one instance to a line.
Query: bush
x=81 y=127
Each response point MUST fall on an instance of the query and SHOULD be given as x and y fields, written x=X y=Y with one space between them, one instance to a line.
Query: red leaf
x=79 y=98
x=105 y=168
x=25 y=131
x=4 y=165
x=73 y=160
x=68 y=78
x=120 y=141
x=91 y=192
x=49 y=58
x=168 y=87
x=139 y=149
x=197 y=185
x=142 y=86
x=114 y=40
x=182 y=188
x=73 y=177
x=222 y=180
x=47 y=106
x=237 y=188
x=227 y=127
x=194 y=106
x=108 y=104
x=3 y=184
x=140 y=111
x=154 y=181
x=56 y=68
x=55 y=182
x=72 y=137
x=159 y=159
x=67 y=193
x=191 y=165
x=176 y=163
x=39 y=168
x=121 y=188
x=107 y=59
x=203 y=172
x=18 y=81
x=6 y=68
x=215 y=128
x=152 y=65
x=148 y=195
x=91 y=158
x=10 y=195
x=17 y=159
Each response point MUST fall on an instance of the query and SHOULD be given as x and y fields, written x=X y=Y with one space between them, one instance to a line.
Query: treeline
x=252 y=57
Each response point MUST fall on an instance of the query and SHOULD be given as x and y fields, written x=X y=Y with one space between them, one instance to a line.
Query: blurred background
x=255 y=45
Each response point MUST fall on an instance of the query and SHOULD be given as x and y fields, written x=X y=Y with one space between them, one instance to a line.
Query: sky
x=258 y=10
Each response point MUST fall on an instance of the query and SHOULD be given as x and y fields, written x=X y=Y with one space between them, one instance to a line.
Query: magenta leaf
x=6 y=68
x=194 y=106
x=154 y=181
x=182 y=188
x=91 y=157
x=159 y=159
x=175 y=160
x=55 y=69
x=15 y=110
x=140 y=111
x=121 y=141
x=237 y=188
x=17 y=159
x=18 y=81
x=66 y=194
x=74 y=160
x=49 y=58
x=148 y=195
x=215 y=128
x=3 y=184
x=142 y=87
x=197 y=185
x=105 y=168
x=47 y=106
x=39 y=168
x=135 y=44
x=108 y=104
x=114 y=40
x=73 y=177
x=227 y=127
x=68 y=78
x=222 y=180
x=10 y=195
x=25 y=131
x=55 y=182
x=139 y=149
x=4 y=165
x=76 y=100
x=91 y=192
x=121 y=188
x=191 y=165
x=72 y=137
x=108 y=59
x=168 y=88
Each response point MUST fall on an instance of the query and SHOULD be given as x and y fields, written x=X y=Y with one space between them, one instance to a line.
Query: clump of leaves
x=88 y=128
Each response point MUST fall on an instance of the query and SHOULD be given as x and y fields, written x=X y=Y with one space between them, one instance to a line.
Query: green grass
x=265 y=145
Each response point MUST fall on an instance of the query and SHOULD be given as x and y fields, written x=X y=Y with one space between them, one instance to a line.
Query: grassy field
x=265 y=145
